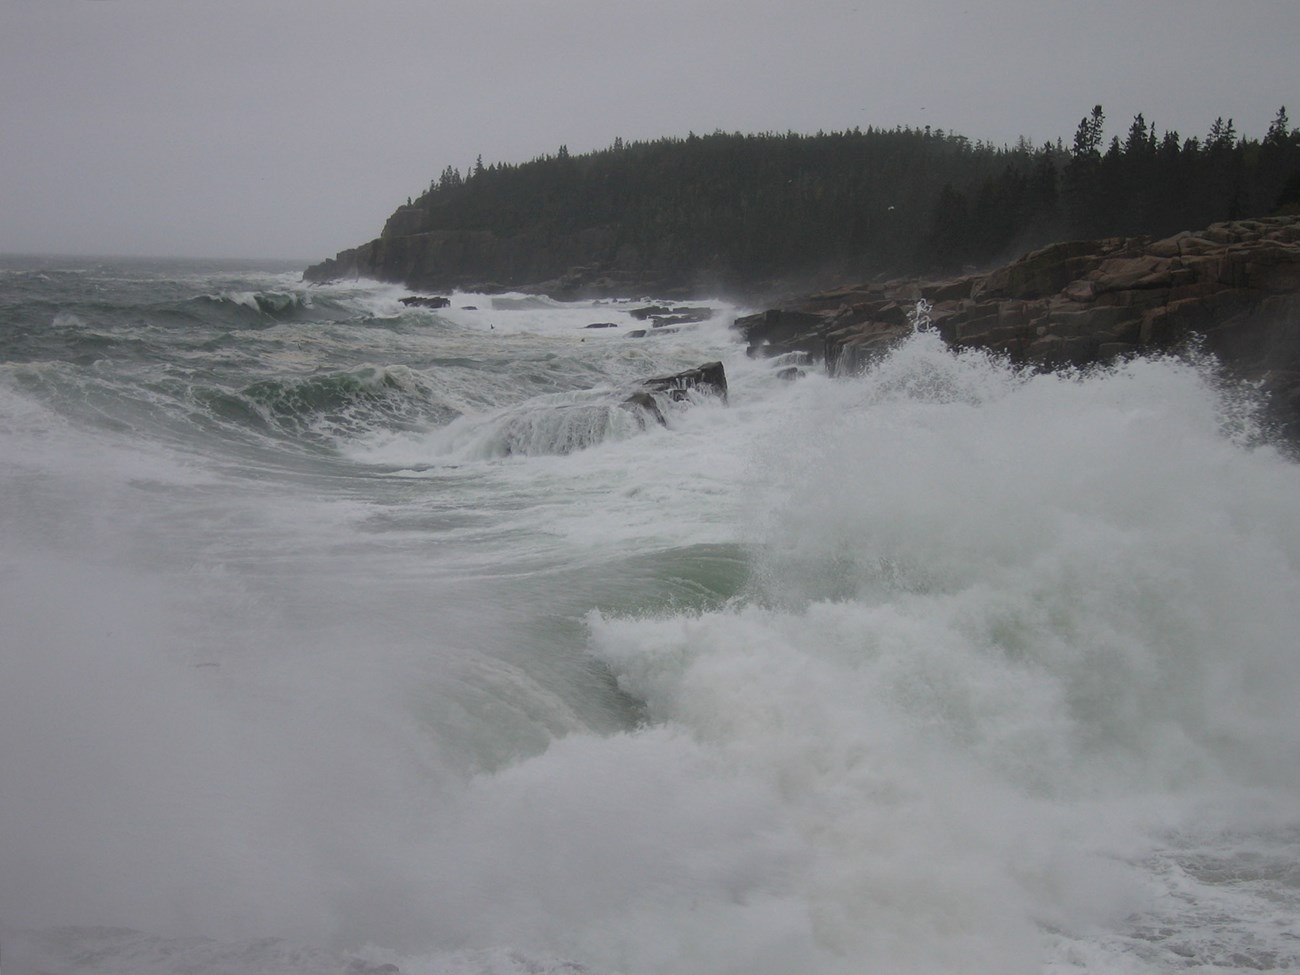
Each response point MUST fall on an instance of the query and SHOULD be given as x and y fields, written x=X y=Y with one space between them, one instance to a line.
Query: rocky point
x=1232 y=289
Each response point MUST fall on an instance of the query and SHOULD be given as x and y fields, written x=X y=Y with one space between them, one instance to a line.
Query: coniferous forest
x=904 y=200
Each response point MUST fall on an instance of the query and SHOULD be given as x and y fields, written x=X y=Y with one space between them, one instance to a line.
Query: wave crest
x=347 y=404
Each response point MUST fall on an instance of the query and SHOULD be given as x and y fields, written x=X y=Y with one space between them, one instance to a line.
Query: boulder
x=650 y=311
x=643 y=404
x=710 y=377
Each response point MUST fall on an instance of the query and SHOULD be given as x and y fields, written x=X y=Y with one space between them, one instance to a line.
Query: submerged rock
x=421 y=301
x=572 y=422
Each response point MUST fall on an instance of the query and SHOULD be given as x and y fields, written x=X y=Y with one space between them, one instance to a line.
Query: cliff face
x=1234 y=286
x=587 y=263
x=442 y=260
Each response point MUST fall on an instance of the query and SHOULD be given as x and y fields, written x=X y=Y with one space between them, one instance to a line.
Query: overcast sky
x=292 y=128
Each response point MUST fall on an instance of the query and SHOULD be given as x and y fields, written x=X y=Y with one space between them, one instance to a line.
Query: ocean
x=341 y=635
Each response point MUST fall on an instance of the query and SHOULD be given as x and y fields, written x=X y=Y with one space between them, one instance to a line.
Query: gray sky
x=292 y=128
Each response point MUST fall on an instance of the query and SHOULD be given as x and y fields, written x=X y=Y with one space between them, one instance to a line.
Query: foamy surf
x=946 y=667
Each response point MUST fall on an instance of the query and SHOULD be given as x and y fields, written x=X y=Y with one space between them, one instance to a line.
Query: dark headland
x=1053 y=256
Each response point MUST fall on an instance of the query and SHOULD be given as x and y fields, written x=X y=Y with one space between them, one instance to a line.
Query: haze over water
x=331 y=628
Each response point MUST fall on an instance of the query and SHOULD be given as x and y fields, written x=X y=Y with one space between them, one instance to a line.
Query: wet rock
x=421 y=301
x=682 y=316
x=1233 y=286
x=780 y=330
x=650 y=311
x=643 y=404
x=710 y=377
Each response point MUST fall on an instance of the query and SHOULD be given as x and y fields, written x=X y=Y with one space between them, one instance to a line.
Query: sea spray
x=947 y=667
x=1006 y=631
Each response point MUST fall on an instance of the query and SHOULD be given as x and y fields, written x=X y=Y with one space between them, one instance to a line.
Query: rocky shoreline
x=1232 y=288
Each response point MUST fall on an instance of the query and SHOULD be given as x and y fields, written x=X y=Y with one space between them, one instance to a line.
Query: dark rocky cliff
x=1232 y=287
x=586 y=263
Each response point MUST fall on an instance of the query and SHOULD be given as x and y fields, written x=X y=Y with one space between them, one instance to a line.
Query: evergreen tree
x=1279 y=131
x=1083 y=175
x=749 y=206
x=1223 y=135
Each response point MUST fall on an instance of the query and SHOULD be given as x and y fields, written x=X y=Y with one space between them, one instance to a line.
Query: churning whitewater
x=342 y=635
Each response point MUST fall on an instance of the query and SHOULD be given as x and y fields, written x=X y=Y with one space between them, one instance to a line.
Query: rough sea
x=337 y=634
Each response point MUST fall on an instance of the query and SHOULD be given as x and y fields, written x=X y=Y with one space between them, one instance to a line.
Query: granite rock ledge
x=1233 y=287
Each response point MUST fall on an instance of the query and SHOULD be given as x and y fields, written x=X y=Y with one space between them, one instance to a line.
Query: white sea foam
x=1005 y=682
x=1020 y=633
x=67 y=320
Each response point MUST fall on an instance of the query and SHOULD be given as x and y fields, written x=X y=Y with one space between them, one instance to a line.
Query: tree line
x=901 y=200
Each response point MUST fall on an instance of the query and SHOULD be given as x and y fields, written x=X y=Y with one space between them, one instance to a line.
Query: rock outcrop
x=710 y=378
x=1234 y=287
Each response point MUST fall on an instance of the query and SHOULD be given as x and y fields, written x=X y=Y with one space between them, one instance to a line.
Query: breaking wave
x=946 y=668
x=350 y=403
